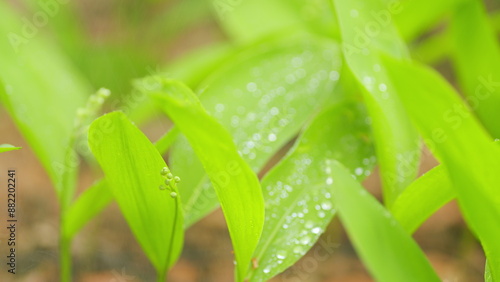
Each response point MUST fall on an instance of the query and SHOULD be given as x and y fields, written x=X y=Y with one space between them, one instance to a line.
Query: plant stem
x=67 y=192
x=161 y=276
x=64 y=255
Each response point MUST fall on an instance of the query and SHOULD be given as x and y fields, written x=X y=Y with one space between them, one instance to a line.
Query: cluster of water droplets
x=379 y=88
x=274 y=97
x=309 y=207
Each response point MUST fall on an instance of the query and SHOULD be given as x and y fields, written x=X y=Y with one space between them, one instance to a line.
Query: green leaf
x=298 y=192
x=458 y=140
x=476 y=55
x=363 y=36
x=236 y=185
x=262 y=97
x=487 y=273
x=88 y=205
x=376 y=234
x=95 y=198
x=415 y=18
x=8 y=147
x=42 y=92
x=423 y=198
x=246 y=21
x=133 y=166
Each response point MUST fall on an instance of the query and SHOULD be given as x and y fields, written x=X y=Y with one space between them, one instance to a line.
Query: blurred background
x=112 y=42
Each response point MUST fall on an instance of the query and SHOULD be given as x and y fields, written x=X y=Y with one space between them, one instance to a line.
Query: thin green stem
x=161 y=276
x=64 y=256
x=68 y=187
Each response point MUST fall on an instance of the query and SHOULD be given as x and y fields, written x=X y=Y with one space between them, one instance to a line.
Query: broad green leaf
x=455 y=136
x=487 y=273
x=397 y=144
x=413 y=18
x=132 y=167
x=423 y=198
x=8 y=147
x=42 y=92
x=298 y=191
x=236 y=185
x=96 y=197
x=476 y=55
x=387 y=250
x=262 y=97
x=88 y=205
x=246 y=21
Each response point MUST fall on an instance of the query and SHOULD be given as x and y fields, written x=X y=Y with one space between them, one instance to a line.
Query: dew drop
x=329 y=181
x=219 y=108
x=382 y=87
x=326 y=206
x=290 y=79
x=316 y=230
x=334 y=75
x=281 y=254
x=298 y=250
x=305 y=240
x=267 y=269
x=251 y=86
x=354 y=13
x=271 y=137
x=274 y=111
x=358 y=171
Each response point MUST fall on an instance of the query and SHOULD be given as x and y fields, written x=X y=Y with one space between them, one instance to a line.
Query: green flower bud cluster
x=170 y=182
x=93 y=106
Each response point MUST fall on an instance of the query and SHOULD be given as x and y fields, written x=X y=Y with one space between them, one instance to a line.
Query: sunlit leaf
x=423 y=198
x=413 y=18
x=386 y=248
x=88 y=205
x=246 y=21
x=133 y=166
x=363 y=36
x=236 y=185
x=487 y=273
x=42 y=92
x=263 y=97
x=476 y=54
x=96 y=197
x=298 y=192
x=8 y=147
x=447 y=125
